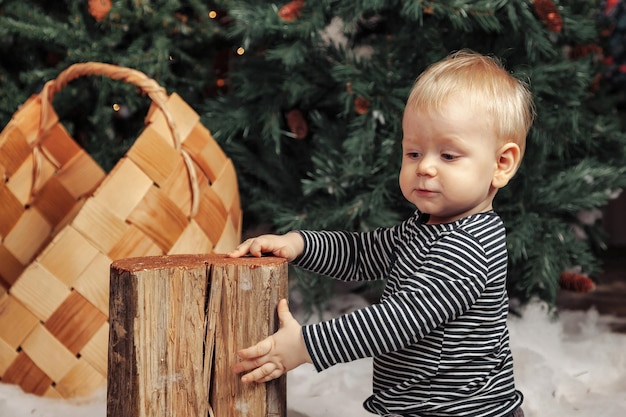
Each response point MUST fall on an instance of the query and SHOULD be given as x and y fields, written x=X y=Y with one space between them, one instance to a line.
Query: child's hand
x=277 y=354
x=288 y=246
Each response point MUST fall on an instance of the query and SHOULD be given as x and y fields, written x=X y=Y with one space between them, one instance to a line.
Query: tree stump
x=176 y=324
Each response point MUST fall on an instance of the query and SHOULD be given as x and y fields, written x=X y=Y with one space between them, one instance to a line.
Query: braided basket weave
x=63 y=220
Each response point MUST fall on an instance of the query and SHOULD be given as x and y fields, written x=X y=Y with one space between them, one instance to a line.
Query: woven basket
x=63 y=221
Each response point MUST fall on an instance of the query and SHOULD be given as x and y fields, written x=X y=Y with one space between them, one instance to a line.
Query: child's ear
x=507 y=162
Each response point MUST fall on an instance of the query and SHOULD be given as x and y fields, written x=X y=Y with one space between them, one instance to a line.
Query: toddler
x=438 y=336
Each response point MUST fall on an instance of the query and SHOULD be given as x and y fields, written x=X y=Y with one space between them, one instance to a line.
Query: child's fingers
x=283 y=311
x=256 y=351
x=252 y=246
x=264 y=244
x=264 y=373
x=245 y=366
x=237 y=253
x=239 y=367
x=241 y=250
x=255 y=247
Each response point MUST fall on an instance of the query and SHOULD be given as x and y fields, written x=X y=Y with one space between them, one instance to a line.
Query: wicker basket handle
x=147 y=85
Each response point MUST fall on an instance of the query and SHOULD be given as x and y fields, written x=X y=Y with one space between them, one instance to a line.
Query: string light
x=241 y=51
x=212 y=14
x=116 y=107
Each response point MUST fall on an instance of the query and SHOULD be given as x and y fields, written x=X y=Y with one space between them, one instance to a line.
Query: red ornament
x=580 y=51
x=291 y=11
x=595 y=83
x=573 y=281
x=361 y=105
x=610 y=5
x=99 y=9
x=297 y=123
x=548 y=13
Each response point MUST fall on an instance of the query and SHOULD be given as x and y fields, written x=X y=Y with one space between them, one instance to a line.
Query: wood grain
x=176 y=324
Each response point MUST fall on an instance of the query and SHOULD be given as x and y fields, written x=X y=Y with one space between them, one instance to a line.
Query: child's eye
x=448 y=156
x=413 y=155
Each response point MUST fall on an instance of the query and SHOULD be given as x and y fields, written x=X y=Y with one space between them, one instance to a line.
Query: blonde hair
x=506 y=101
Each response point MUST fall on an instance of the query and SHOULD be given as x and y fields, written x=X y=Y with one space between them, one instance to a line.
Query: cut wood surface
x=176 y=324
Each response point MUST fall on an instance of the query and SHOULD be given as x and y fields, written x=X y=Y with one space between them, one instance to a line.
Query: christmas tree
x=307 y=99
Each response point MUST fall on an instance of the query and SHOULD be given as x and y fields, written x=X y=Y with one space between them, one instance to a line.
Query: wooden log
x=250 y=293
x=176 y=323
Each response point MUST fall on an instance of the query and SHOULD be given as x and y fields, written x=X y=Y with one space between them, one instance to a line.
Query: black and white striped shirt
x=438 y=336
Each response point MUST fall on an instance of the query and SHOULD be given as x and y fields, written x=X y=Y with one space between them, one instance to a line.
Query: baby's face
x=448 y=161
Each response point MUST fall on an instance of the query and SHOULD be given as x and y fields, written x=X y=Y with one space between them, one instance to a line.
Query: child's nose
x=426 y=166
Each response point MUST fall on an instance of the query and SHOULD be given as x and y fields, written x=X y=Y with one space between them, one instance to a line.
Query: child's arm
x=277 y=354
x=288 y=246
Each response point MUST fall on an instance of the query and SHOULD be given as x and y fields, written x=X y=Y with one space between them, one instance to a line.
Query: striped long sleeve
x=438 y=335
